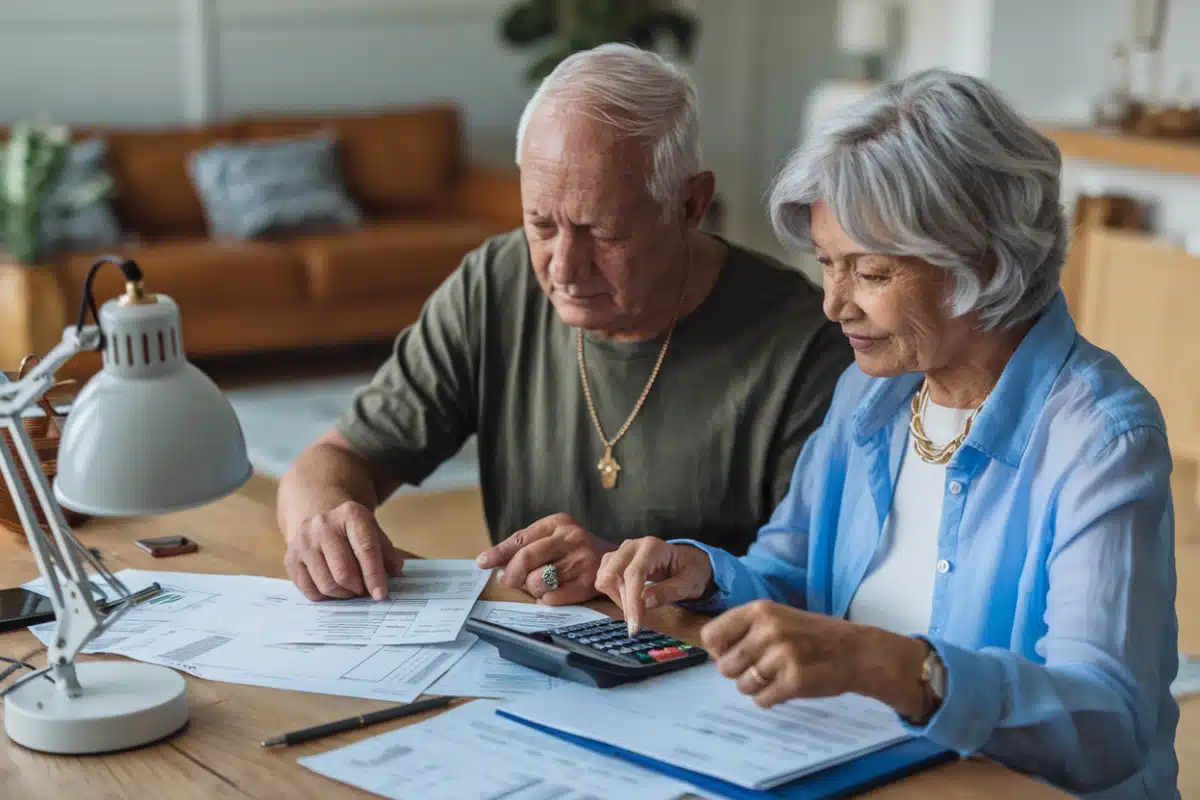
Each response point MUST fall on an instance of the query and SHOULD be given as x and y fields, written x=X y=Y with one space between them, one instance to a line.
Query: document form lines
x=200 y=647
x=383 y=757
x=431 y=667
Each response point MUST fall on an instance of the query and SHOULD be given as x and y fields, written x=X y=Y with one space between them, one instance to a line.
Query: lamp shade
x=862 y=26
x=150 y=433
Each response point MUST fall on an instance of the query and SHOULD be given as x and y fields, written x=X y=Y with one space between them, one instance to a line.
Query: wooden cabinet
x=1135 y=296
x=1140 y=299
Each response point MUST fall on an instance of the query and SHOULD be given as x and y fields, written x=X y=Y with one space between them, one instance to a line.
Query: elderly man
x=625 y=373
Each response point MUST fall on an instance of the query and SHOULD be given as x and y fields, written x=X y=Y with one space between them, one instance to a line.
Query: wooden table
x=218 y=755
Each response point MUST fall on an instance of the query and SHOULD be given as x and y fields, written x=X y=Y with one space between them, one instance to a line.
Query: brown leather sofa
x=405 y=168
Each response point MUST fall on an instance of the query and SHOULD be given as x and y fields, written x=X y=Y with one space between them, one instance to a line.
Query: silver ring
x=550 y=576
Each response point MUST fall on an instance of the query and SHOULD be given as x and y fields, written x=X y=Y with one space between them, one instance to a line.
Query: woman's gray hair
x=641 y=94
x=938 y=166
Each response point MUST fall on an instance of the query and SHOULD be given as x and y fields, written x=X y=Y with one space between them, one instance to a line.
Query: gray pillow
x=272 y=186
x=68 y=224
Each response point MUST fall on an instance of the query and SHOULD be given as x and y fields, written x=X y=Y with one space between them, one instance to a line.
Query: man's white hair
x=641 y=94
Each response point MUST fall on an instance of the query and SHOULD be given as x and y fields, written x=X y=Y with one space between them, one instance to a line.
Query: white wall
x=158 y=61
x=293 y=55
x=947 y=33
x=115 y=61
x=1051 y=58
x=163 y=61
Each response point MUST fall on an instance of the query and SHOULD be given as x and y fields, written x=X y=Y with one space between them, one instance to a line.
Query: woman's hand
x=679 y=572
x=777 y=653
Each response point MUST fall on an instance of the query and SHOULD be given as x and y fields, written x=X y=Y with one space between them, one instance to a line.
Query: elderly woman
x=981 y=533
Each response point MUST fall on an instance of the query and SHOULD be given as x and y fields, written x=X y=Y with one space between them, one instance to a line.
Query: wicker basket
x=45 y=431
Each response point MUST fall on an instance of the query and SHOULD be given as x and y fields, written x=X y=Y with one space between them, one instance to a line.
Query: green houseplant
x=563 y=27
x=31 y=164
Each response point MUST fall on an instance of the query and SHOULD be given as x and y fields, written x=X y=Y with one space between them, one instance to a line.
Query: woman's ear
x=698 y=196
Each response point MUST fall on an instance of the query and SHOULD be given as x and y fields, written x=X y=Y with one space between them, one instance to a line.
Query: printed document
x=398 y=673
x=428 y=602
x=204 y=625
x=471 y=753
x=697 y=719
x=483 y=673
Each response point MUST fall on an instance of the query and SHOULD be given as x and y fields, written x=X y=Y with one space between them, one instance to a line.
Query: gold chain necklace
x=926 y=449
x=608 y=466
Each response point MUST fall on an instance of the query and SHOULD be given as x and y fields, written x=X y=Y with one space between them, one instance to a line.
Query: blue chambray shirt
x=1054 y=601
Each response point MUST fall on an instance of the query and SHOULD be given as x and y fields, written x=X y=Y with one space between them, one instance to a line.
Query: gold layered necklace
x=922 y=444
x=608 y=466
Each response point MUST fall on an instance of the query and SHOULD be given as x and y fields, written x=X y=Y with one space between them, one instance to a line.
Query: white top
x=897 y=593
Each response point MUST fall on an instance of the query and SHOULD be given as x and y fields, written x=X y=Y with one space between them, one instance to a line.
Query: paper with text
x=205 y=625
x=398 y=673
x=427 y=603
x=470 y=753
x=483 y=673
x=697 y=719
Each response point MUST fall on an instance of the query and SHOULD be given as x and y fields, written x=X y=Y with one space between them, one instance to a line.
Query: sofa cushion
x=388 y=258
x=155 y=196
x=198 y=273
x=77 y=213
x=393 y=162
x=272 y=186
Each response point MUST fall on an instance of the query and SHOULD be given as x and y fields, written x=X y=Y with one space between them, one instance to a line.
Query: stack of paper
x=471 y=752
x=686 y=731
x=263 y=632
x=697 y=720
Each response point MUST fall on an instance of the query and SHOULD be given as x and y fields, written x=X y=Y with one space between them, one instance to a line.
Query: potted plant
x=31 y=164
x=30 y=167
x=568 y=26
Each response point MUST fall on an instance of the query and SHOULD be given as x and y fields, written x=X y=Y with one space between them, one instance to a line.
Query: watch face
x=934 y=673
x=938 y=683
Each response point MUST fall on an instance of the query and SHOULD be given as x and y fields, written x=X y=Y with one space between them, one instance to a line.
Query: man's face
x=600 y=245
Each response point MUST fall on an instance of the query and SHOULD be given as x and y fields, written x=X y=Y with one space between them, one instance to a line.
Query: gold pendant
x=608 y=468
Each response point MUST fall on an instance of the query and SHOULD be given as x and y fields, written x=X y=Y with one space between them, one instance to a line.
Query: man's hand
x=342 y=553
x=557 y=540
x=679 y=572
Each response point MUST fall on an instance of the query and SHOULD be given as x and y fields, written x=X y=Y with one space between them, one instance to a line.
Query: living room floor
x=459 y=513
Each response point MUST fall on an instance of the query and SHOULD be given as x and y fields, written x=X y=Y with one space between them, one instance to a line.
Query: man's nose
x=570 y=260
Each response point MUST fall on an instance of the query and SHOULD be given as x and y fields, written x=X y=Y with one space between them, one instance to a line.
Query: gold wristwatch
x=933 y=678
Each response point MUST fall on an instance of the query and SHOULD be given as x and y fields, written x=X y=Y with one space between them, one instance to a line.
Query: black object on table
x=354 y=723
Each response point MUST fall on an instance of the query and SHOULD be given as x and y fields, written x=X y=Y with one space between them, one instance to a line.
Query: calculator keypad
x=611 y=636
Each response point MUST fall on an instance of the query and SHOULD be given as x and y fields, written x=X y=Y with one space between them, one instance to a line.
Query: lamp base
x=124 y=704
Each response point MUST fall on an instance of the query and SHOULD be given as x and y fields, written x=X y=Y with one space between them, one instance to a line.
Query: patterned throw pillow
x=272 y=186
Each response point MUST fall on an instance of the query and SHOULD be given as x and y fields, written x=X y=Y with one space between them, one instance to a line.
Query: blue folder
x=842 y=780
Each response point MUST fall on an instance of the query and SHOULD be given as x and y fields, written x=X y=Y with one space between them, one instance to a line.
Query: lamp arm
x=76 y=615
x=22 y=394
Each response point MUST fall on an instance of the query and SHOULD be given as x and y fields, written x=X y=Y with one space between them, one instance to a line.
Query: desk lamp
x=149 y=434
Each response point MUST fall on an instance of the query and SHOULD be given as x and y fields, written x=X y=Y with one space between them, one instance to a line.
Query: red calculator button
x=667 y=653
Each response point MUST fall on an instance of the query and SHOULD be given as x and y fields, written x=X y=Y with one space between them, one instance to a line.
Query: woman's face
x=893 y=309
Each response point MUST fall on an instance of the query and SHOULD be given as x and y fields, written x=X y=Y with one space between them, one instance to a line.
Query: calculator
x=599 y=653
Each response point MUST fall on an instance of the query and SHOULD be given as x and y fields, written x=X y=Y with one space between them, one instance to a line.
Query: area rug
x=280 y=419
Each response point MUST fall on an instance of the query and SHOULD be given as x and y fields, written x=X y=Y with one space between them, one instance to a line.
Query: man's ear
x=698 y=196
